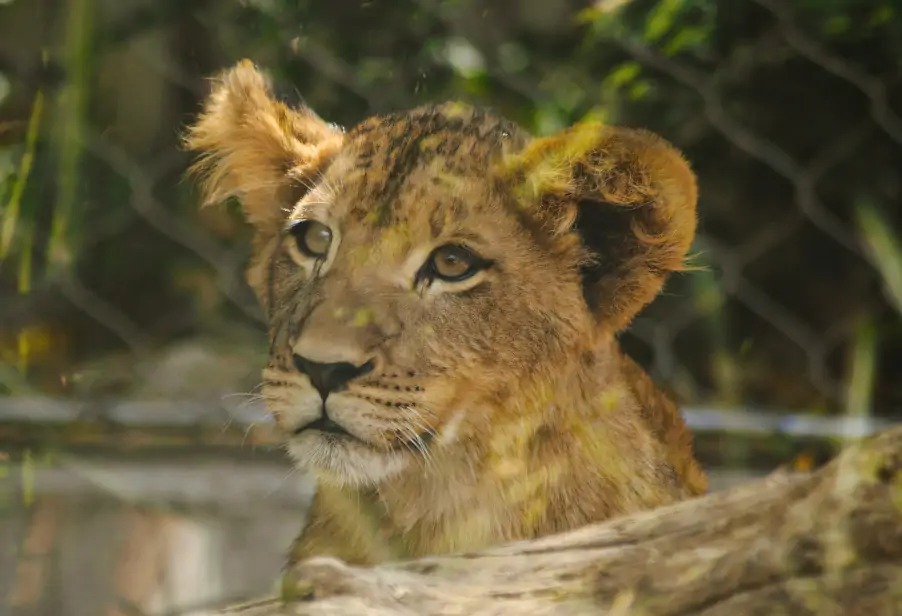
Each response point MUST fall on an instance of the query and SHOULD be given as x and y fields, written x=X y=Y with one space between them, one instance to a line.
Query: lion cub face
x=416 y=268
x=402 y=292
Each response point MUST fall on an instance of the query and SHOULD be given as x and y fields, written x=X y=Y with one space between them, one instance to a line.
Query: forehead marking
x=389 y=148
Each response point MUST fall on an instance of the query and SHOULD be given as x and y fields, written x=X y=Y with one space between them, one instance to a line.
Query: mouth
x=324 y=424
x=327 y=426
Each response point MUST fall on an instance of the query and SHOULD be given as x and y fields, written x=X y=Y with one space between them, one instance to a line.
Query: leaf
x=11 y=211
x=877 y=233
x=661 y=19
x=638 y=90
x=686 y=38
x=623 y=74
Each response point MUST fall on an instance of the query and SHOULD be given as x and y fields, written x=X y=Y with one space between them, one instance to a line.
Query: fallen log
x=827 y=542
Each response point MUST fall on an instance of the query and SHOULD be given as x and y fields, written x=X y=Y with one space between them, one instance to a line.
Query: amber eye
x=313 y=238
x=453 y=263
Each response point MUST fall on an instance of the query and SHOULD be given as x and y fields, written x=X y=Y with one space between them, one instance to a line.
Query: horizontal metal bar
x=181 y=413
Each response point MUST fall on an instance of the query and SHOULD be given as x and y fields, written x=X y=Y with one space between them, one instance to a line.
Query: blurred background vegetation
x=789 y=112
x=115 y=286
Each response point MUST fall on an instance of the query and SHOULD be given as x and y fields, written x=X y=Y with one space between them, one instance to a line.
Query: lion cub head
x=418 y=268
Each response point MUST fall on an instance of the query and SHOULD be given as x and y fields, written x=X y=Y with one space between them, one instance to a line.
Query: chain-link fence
x=125 y=321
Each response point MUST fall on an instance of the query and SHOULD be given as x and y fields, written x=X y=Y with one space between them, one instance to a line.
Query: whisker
x=248 y=399
x=247 y=431
x=421 y=422
x=227 y=424
x=241 y=395
x=414 y=443
x=413 y=416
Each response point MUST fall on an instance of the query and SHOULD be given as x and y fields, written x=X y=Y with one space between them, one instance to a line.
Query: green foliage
x=885 y=246
x=662 y=18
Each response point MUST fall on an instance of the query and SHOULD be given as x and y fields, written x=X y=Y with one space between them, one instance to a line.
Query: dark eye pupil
x=313 y=238
x=452 y=262
x=317 y=238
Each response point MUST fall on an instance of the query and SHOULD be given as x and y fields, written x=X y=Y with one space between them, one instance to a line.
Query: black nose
x=327 y=378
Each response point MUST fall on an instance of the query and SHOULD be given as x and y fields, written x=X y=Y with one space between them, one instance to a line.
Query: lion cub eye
x=312 y=238
x=452 y=263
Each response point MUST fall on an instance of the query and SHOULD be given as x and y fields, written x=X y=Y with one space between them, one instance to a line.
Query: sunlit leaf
x=661 y=18
x=599 y=113
x=638 y=90
x=623 y=74
x=685 y=39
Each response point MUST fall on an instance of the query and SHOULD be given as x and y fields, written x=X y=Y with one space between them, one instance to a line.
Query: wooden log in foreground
x=826 y=543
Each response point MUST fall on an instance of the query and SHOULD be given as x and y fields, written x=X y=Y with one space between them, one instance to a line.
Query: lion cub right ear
x=628 y=195
x=256 y=148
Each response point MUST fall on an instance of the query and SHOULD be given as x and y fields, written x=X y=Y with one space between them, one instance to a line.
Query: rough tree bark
x=825 y=543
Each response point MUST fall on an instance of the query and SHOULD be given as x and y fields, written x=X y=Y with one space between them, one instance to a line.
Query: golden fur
x=498 y=407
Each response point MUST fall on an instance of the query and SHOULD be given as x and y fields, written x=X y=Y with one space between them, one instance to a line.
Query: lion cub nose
x=328 y=378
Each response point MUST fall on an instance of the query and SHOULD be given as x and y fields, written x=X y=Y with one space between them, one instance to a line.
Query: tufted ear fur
x=630 y=197
x=256 y=148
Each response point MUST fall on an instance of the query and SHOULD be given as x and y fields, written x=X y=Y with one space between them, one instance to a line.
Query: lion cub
x=443 y=294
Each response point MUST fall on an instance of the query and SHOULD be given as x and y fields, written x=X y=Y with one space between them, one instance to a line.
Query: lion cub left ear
x=629 y=196
x=256 y=148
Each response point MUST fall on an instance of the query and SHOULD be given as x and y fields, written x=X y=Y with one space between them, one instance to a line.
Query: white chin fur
x=344 y=462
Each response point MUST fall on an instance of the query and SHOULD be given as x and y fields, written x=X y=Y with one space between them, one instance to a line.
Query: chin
x=344 y=460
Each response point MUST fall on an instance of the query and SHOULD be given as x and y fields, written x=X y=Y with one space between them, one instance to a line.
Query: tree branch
x=824 y=543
